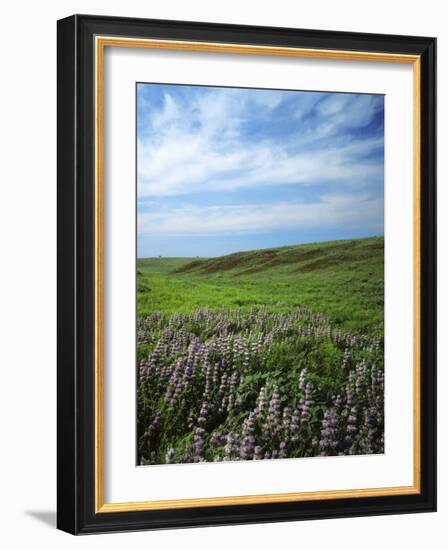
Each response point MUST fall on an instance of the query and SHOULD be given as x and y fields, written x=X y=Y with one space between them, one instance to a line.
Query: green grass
x=344 y=280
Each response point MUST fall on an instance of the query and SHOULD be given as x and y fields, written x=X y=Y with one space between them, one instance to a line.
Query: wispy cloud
x=351 y=211
x=205 y=142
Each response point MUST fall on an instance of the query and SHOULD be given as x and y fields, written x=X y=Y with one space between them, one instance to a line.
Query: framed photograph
x=246 y=274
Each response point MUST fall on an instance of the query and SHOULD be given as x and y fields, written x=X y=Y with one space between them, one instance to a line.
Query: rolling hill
x=344 y=280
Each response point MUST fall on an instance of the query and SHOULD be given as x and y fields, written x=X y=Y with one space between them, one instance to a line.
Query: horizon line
x=259 y=249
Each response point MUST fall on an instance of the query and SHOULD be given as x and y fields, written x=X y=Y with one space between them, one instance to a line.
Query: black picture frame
x=76 y=286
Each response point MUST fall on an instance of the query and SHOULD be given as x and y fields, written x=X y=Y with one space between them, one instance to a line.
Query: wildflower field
x=274 y=353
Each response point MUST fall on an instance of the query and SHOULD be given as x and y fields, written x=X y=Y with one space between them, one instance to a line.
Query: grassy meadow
x=343 y=279
x=262 y=354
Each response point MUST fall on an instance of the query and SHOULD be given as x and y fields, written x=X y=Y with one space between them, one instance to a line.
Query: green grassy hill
x=344 y=280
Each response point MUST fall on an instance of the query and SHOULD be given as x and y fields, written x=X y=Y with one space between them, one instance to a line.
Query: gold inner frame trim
x=101 y=42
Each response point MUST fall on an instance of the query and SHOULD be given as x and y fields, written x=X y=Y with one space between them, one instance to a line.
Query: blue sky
x=221 y=170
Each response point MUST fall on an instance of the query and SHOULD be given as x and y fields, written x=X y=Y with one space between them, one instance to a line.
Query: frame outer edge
x=76 y=514
x=433 y=71
x=429 y=270
x=67 y=455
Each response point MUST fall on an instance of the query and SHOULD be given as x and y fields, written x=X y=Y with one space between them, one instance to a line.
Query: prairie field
x=263 y=354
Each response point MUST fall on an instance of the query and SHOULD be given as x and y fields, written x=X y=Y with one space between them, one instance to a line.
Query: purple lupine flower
x=198 y=445
x=302 y=378
x=153 y=427
x=273 y=419
x=329 y=437
x=203 y=355
x=346 y=358
x=306 y=403
x=247 y=447
x=286 y=420
x=261 y=402
x=294 y=426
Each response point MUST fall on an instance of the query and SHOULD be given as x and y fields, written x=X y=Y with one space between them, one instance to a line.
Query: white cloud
x=306 y=103
x=347 y=211
x=183 y=164
x=197 y=147
x=267 y=99
x=166 y=116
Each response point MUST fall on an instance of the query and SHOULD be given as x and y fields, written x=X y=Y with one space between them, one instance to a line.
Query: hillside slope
x=299 y=258
x=344 y=280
